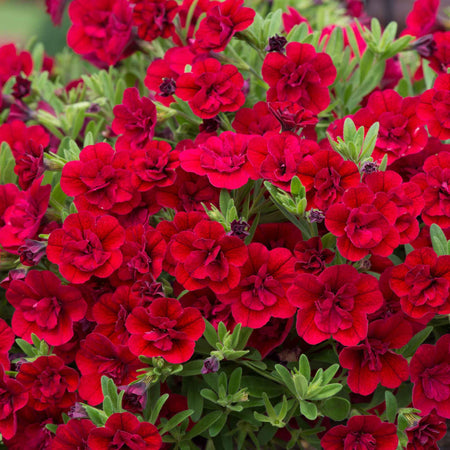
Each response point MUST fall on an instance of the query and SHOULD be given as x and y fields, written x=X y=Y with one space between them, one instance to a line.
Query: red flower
x=423 y=283
x=326 y=176
x=206 y=256
x=311 y=257
x=301 y=76
x=165 y=329
x=440 y=56
x=261 y=293
x=73 y=434
x=211 y=88
x=134 y=119
x=295 y=118
x=363 y=223
x=274 y=235
x=222 y=21
x=434 y=107
x=334 y=304
x=45 y=307
x=361 y=432
x=86 y=246
x=293 y=18
x=13 y=397
x=223 y=159
x=13 y=63
x=49 y=382
x=426 y=432
x=17 y=135
x=56 y=10
x=401 y=131
x=256 y=120
x=101 y=29
x=430 y=373
x=123 y=430
x=100 y=181
x=7 y=338
x=422 y=18
x=98 y=356
x=154 y=18
x=373 y=362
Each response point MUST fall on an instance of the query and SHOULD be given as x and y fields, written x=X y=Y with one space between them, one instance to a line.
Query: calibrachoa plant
x=225 y=225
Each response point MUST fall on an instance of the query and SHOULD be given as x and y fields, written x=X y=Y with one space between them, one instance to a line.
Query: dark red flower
x=17 y=135
x=45 y=307
x=434 y=107
x=311 y=257
x=49 y=382
x=222 y=21
x=295 y=118
x=430 y=373
x=274 y=235
x=135 y=397
x=422 y=18
x=56 y=9
x=123 y=430
x=100 y=181
x=426 y=432
x=7 y=338
x=256 y=120
x=401 y=132
x=73 y=434
x=293 y=18
x=101 y=30
x=440 y=53
x=222 y=159
x=334 y=304
x=98 y=356
x=300 y=76
x=361 y=432
x=165 y=329
x=86 y=246
x=211 y=88
x=373 y=361
x=423 y=283
x=261 y=293
x=32 y=252
x=14 y=63
x=206 y=256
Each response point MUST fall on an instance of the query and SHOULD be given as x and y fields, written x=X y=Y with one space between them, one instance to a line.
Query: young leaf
x=410 y=348
x=336 y=408
x=175 y=421
x=391 y=406
x=304 y=367
x=438 y=239
x=308 y=409
x=203 y=424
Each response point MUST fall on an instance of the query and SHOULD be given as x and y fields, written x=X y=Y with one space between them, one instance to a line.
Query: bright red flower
x=186 y=10
x=325 y=176
x=123 y=430
x=334 y=304
x=211 y=88
x=434 y=107
x=13 y=397
x=361 y=432
x=293 y=18
x=222 y=159
x=430 y=373
x=423 y=283
x=86 y=246
x=440 y=54
x=100 y=181
x=45 y=307
x=364 y=223
x=295 y=118
x=311 y=257
x=98 y=356
x=134 y=120
x=101 y=30
x=55 y=8
x=373 y=361
x=426 y=432
x=206 y=256
x=422 y=18
x=401 y=132
x=274 y=235
x=256 y=120
x=73 y=434
x=13 y=63
x=222 y=21
x=49 y=382
x=17 y=135
x=165 y=329
x=7 y=338
x=261 y=293
x=300 y=76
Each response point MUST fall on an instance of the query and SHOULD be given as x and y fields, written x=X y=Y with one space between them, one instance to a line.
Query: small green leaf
x=383 y=164
x=391 y=406
x=304 y=367
x=108 y=406
x=52 y=427
x=330 y=373
x=234 y=382
x=154 y=413
x=308 y=409
x=209 y=395
x=203 y=424
x=98 y=417
x=286 y=377
x=336 y=408
x=210 y=334
x=410 y=348
x=191 y=368
x=325 y=391
x=175 y=421
x=438 y=239
x=217 y=426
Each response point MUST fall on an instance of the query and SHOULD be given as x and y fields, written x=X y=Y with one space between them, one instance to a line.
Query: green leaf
x=375 y=27
x=203 y=424
x=210 y=334
x=298 y=33
x=330 y=373
x=438 y=239
x=217 y=426
x=222 y=331
x=308 y=409
x=304 y=367
x=108 y=406
x=336 y=408
x=286 y=377
x=157 y=408
x=410 y=348
x=98 y=417
x=326 y=391
x=191 y=368
x=52 y=427
x=391 y=406
x=175 y=421
x=301 y=385
x=388 y=36
x=234 y=382
x=383 y=164
x=258 y=386
x=27 y=348
x=209 y=395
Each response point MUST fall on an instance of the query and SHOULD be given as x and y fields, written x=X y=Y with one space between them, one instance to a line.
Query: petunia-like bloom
x=73 y=434
x=401 y=132
x=423 y=283
x=206 y=256
x=334 y=304
x=426 y=432
x=211 y=88
x=98 y=356
x=134 y=120
x=326 y=176
x=311 y=257
x=300 y=76
x=13 y=397
x=49 y=382
x=101 y=30
x=7 y=339
x=45 y=307
x=361 y=432
x=123 y=430
x=440 y=53
x=86 y=246
x=13 y=63
x=430 y=373
x=256 y=120
x=17 y=135
x=373 y=361
x=100 y=181
x=422 y=18
x=222 y=159
x=165 y=329
x=363 y=223
x=434 y=107
x=261 y=293
x=55 y=8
